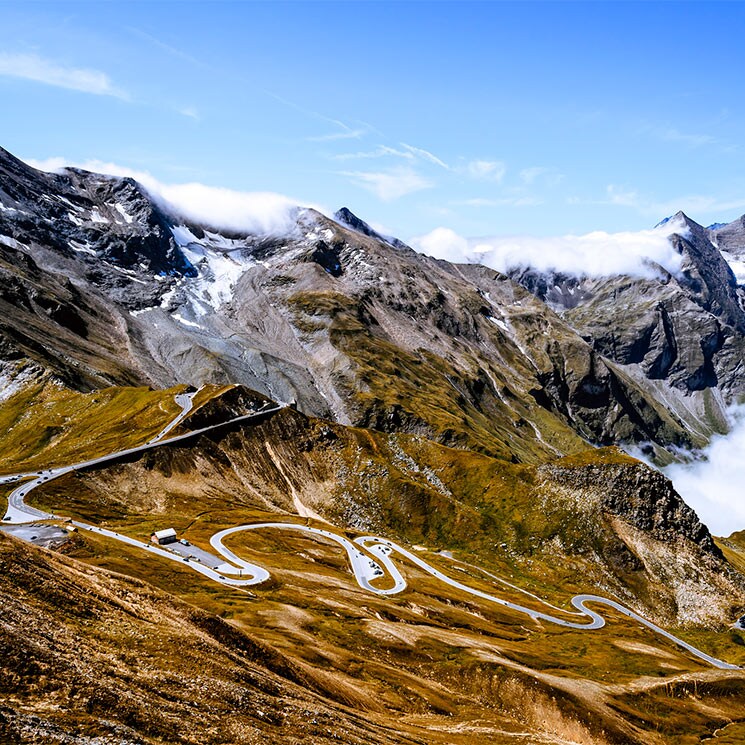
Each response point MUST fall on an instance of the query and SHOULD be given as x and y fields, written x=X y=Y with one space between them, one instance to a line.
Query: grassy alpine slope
x=429 y=665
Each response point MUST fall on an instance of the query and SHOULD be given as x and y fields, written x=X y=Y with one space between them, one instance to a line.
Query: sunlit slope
x=44 y=424
x=430 y=667
x=87 y=654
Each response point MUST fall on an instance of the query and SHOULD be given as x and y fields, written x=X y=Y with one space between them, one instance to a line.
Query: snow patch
x=501 y=324
x=178 y=317
x=183 y=236
x=67 y=202
x=130 y=273
x=14 y=210
x=218 y=274
x=220 y=264
x=127 y=217
x=12 y=382
x=10 y=242
x=84 y=248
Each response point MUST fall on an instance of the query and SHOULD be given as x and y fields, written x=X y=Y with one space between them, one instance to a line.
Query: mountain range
x=481 y=417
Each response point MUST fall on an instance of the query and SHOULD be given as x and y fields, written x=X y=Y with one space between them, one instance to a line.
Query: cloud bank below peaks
x=254 y=212
x=596 y=254
x=712 y=484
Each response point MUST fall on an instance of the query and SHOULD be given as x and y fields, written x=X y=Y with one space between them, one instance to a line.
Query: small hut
x=162 y=537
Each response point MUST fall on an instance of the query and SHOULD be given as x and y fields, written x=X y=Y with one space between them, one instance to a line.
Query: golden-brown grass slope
x=432 y=664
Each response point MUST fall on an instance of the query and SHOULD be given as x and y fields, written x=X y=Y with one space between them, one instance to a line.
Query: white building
x=163 y=536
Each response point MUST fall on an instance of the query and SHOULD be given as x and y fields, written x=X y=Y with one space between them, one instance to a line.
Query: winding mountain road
x=369 y=556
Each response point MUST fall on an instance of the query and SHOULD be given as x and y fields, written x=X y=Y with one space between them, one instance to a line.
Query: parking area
x=194 y=553
x=40 y=534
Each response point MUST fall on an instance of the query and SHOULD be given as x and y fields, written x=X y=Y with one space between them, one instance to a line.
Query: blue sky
x=487 y=118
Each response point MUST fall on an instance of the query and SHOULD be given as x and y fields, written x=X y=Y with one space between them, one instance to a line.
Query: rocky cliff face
x=659 y=550
x=109 y=227
x=681 y=335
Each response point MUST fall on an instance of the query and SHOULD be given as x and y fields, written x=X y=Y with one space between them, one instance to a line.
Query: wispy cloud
x=549 y=176
x=425 y=155
x=621 y=196
x=692 y=140
x=697 y=206
x=486 y=170
x=390 y=184
x=40 y=70
x=346 y=133
x=168 y=48
x=508 y=201
x=665 y=132
x=191 y=112
x=381 y=151
x=404 y=151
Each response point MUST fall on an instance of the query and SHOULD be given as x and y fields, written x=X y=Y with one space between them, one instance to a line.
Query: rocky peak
x=107 y=227
x=706 y=275
x=641 y=496
x=347 y=218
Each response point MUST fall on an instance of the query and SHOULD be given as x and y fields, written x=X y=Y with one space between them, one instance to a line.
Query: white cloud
x=391 y=184
x=254 y=212
x=597 y=254
x=713 y=486
x=486 y=170
x=40 y=70
x=425 y=155
x=444 y=243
